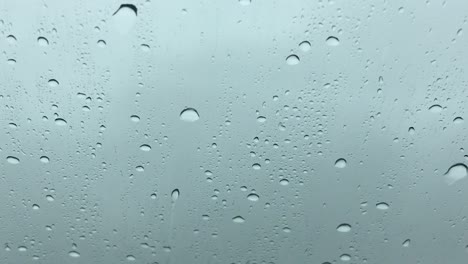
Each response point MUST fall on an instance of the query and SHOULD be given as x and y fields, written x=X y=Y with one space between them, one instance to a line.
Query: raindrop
x=153 y=196
x=145 y=147
x=455 y=173
x=284 y=182
x=411 y=130
x=11 y=39
x=261 y=119
x=292 y=59
x=344 y=228
x=101 y=43
x=435 y=108
x=44 y=159
x=305 y=46
x=238 y=219
x=50 y=198
x=131 y=258
x=458 y=120
x=135 y=118
x=340 y=163
x=145 y=47
x=406 y=243
x=189 y=115
x=42 y=41
x=140 y=168
x=22 y=248
x=35 y=207
x=60 y=122
x=345 y=257
x=253 y=197
x=175 y=195
x=256 y=166
x=332 y=41
x=11 y=61
x=74 y=254
x=53 y=83
x=382 y=206
x=124 y=18
x=13 y=160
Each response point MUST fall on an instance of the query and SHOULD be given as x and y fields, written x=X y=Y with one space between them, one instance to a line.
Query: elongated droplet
x=13 y=160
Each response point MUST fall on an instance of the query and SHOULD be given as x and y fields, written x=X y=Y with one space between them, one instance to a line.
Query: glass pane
x=235 y=131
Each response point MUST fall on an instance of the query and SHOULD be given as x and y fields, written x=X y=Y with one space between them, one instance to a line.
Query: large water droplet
x=175 y=195
x=458 y=120
x=345 y=257
x=305 y=46
x=74 y=254
x=50 y=198
x=45 y=159
x=135 y=118
x=42 y=41
x=60 y=122
x=189 y=115
x=11 y=39
x=53 y=83
x=344 y=228
x=340 y=163
x=455 y=173
x=13 y=160
x=253 y=197
x=36 y=207
x=124 y=18
x=145 y=147
x=332 y=41
x=382 y=206
x=435 y=108
x=22 y=248
x=292 y=59
x=256 y=166
x=238 y=219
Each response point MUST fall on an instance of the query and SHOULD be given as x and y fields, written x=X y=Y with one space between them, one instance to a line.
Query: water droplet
x=256 y=166
x=50 y=198
x=42 y=41
x=131 y=258
x=153 y=196
x=435 y=108
x=332 y=41
x=101 y=43
x=284 y=182
x=238 y=219
x=382 y=206
x=145 y=47
x=74 y=254
x=13 y=160
x=124 y=18
x=135 y=118
x=344 y=228
x=175 y=195
x=345 y=257
x=305 y=46
x=145 y=147
x=455 y=173
x=458 y=120
x=11 y=39
x=44 y=159
x=189 y=115
x=253 y=197
x=340 y=163
x=411 y=130
x=60 y=122
x=286 y=229
x=261 y=119
x=22 y=248
x=11 y=61
x=53 y=83
x=406 y=243
x=140 y=168
x=245 y=2
x=292 y=59
x=36 y=207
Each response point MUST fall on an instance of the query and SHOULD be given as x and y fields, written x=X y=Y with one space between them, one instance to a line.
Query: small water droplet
x=435 y=108
x=153 y=196
x=189 y=115
x=292 y=59
x=44 y=159
x=53 y=83
x=256 y=166
x=140 y=168
x=131 y=258
x=145 y=47
x=175 y=195
x=50 y=198
x=382 y=206
x=101 y=43
x=145 y=147
x=344 y=228
x=135 y=118
x=345 y=257
x=305 y=46
x=42 y=41
x=36 y=207
x=406 y=243
x=455 y=173
x=261 y=119
x=458 y=120
x=13 y=160
x=340 y=163
x=253 y=197
x=284 y=182
x=238 y=219
x=22 y=249
x=74 y=254
x=411 y=130
x=332 y=41
x=11 y=61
